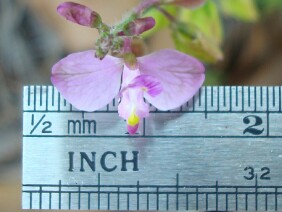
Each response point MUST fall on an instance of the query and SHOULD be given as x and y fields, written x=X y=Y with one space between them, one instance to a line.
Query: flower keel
x=132 y=107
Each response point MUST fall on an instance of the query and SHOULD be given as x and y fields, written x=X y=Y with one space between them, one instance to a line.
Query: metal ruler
x=220 y=151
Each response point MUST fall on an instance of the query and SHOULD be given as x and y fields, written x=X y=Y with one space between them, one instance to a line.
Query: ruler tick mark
x=35 y=100
x=47 y=96
x=255 y=99
x=40 y=95
x=59 y=102
x=89 y=201
x=273 y=96
x=167 y=201
x=69 y=201
x=230 y=98
x=261 y=97
x=236 y=93
x=157 y=198
x=79 y=196
x=280 y=99
x=212 y=96
x=60 y=194
x=207 y=202
x=109 y=201
x=40 y=197
x=177 y=191
x=216 y=187
x=28 y=96
x=53 y=96
x=50 y=200
x=138 y=195
x=224 y=97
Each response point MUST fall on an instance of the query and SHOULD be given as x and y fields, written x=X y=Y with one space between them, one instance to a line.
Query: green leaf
x=190 y=40
x=244 y=10
x=207 y=19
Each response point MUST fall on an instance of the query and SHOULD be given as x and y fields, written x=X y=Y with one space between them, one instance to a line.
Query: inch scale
x=220 y=151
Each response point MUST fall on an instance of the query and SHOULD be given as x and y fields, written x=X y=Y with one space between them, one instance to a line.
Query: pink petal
x=132 y=129
x=79 y=14
x=146 y=83
x=87 y=82
x=133 y=101
x=180 y=75
x=132 y=107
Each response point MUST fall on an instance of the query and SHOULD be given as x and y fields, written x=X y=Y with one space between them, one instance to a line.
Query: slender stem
x=144 y=5
x=166 y=14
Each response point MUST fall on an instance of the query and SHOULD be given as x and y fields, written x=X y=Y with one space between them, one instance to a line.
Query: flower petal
x=87 y=82
x=132 y=103
x=145 y=83
x=132 y=129
x=180 y=75
x=132 y=107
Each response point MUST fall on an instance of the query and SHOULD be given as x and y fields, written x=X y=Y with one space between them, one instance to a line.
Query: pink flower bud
x=138 y=26
x=79 y=14
x=188 y=3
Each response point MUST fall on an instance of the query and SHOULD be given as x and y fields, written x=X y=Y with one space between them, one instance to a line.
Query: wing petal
x=87 y=82
x=180 y=75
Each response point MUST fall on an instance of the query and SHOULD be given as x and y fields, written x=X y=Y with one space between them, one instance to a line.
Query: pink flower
x=166 y=79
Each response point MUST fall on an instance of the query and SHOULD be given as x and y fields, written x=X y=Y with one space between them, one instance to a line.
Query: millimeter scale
x=221 y=151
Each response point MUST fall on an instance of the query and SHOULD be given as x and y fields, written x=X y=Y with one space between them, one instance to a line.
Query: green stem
x=167 y=14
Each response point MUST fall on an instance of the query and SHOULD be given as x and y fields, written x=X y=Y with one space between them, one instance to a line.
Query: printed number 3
x=251 y=173
x=252 y=129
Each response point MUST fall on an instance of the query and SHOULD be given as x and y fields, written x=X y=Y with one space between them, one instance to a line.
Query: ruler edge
x=64 y=106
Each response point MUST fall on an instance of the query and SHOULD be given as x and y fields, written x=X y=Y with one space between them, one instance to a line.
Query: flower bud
x=188 y=3
x=79 y=14
x=138 y=26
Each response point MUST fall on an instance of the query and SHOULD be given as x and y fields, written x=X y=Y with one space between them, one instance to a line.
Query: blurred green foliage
x=266 y=6
x=244 y=10
x=195 y=37
x=199 y=31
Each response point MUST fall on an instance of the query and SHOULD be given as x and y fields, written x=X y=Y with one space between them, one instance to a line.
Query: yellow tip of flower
x=133 y=119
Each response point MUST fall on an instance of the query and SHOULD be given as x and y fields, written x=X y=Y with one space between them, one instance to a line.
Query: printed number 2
x=251 y=173
x=45 y=129
x=252 y=129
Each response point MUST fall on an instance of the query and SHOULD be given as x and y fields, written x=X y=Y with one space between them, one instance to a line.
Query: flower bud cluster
x=111 y=39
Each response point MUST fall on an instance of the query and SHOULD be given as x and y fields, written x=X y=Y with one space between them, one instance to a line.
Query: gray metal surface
x=220 y=151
